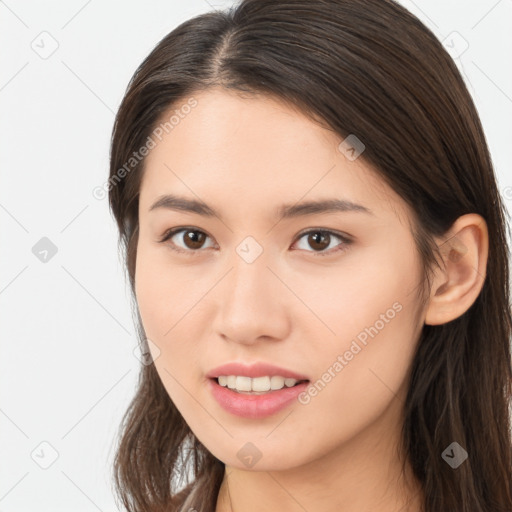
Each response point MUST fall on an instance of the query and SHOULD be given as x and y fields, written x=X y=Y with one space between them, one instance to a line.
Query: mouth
x=298 y=383
x=256 y=404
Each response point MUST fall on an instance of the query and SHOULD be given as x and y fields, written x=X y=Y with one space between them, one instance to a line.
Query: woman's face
x=253 y=285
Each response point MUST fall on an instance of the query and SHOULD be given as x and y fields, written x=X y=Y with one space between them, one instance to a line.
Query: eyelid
x=169 y=233
x=344 y=236
x=345 y=239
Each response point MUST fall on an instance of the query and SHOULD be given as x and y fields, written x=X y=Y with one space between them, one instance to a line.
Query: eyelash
x=193 y=252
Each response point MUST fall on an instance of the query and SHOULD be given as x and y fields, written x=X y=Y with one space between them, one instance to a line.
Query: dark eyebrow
x=172 y=202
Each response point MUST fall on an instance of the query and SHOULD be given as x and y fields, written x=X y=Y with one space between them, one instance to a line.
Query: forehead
x=246 y=152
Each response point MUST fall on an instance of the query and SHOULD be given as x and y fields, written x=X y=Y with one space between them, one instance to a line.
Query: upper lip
x=259 y=369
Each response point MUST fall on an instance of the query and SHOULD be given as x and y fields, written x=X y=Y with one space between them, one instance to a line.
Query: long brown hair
x=367 y=67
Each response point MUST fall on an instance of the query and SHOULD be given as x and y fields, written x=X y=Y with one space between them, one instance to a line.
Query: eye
x=192 y=242
x=320 y=239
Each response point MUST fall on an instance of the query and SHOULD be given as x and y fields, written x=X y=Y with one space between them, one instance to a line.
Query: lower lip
x=255 y=406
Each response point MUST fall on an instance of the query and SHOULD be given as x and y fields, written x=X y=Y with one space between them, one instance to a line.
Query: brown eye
x=187 y=240
x=193 y=239
x=318 y=240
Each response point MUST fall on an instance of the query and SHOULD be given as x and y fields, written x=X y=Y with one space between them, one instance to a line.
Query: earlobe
x=457 y=284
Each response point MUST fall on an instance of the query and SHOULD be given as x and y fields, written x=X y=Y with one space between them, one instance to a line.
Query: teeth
x=258 y=384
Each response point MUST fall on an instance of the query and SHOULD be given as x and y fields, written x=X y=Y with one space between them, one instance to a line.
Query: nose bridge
x=248 y=275
x=250 y=271
x=249 y=306
x=249 y=284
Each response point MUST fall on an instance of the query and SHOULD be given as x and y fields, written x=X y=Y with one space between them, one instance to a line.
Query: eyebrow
x=286 y=211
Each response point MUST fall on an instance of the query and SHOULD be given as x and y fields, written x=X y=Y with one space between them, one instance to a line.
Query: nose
x=251 y=304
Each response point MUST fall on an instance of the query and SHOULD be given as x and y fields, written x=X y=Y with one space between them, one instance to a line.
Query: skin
x=292 y=307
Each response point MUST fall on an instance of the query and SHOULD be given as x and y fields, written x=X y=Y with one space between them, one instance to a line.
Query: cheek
x=364 y=397
x=364 y=293
x=160 y=291
x=166 y=298
x=358 y=381
x=163 y=311
x=150 y=293
x=372 y=310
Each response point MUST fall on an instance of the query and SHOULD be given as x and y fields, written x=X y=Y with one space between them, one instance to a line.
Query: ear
x=456 y=286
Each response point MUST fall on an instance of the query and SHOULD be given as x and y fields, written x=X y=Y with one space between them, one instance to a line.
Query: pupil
x=194 y=238
x=319 y=236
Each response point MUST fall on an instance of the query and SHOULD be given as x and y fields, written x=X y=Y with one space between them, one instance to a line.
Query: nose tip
x=249 y=307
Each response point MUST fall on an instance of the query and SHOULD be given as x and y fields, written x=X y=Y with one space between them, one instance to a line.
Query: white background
x=67 y=366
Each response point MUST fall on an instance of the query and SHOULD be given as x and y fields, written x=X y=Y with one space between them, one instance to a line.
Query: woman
x=317 y=252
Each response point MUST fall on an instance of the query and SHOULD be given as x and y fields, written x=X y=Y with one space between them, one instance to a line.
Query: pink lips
x=254 y=406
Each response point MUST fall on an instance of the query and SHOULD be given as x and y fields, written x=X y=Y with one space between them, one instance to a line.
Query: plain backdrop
x=68 y=367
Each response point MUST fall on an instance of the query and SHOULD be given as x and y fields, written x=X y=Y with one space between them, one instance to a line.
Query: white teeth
x=258 y=384
x=277 y=382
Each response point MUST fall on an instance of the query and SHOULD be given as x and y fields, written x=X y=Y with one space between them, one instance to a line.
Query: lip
x=254 y=406
x=259 y=369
